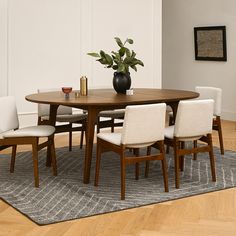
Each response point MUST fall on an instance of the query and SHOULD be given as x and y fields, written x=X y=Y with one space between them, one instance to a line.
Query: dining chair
x=216 y=95
x=112 y=115
x=11 y=136
x=64 y=119
x=193 y=122
x=147 y=133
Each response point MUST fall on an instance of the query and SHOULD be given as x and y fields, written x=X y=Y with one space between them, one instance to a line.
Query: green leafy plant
x=121 y=60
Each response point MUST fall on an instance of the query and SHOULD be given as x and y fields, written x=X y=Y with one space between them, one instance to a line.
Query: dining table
x=106 y=99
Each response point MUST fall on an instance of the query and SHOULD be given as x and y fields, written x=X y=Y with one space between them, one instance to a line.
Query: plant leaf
x=102 y=61
x=128 y=60
x=115 y=67
x=93 y=54
x=117 y=55
x=121 y=68
x=137 y=62
x=102 y=53
x=130 y=41
x=119 y=42
x=134 y=68
x=116 y=61
x=140 y=63
x=128 y=53
x=133 y=54
x=122 y=51
x=109 y=59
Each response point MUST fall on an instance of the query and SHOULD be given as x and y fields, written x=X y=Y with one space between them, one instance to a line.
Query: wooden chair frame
x=104 y=146
x=67 y=128
x=108 y=123
x=34 y=141
x=216 y=125
x=180 y=151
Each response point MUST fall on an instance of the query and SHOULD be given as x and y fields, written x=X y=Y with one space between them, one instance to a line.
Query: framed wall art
x=210 y=43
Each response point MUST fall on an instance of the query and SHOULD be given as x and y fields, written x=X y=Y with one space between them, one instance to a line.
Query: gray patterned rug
x=65 y=197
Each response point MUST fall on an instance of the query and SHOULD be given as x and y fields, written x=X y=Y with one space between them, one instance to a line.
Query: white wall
x=44 y=44
x=3 y=47
x=180 y=70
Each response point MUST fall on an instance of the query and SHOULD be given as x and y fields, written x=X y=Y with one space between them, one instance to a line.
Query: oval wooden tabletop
x=108 y=97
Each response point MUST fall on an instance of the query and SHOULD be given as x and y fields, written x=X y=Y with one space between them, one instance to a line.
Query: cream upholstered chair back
x=8 y=118
x=43 y=109
x=143 y=124
x=211 y=93
x=194 y=118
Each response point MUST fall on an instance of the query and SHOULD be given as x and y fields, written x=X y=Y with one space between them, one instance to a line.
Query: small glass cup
x=66 y=91
x=77 y=94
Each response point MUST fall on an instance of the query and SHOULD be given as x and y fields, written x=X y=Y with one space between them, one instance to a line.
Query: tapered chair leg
x=48 y=160
x=70 y=137
x=195 y=146
x=147 y=164
x=98 y=125
x=13 y=157
x=70 y=141
x=212 y=158
x=136 y=151
x=123 y=169
x=113 y=125
x=181 y=158
x=176 y=147
x=81 y=139
x=98 y=161
x=35 y=161
x=164 y=167
x=171 y=122
x=53 y=156
x=218 y=121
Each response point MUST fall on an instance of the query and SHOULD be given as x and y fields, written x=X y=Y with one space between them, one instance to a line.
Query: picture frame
x=210 y=43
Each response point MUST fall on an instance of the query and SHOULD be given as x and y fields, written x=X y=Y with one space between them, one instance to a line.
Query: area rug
x=65 y=197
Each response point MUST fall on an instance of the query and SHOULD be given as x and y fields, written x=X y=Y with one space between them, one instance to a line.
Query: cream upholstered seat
x=11 y=135
x=113 y=115
x=148 y=132
x=193 y=122
x=39 y=131
x=216 y=95
x=64 y=114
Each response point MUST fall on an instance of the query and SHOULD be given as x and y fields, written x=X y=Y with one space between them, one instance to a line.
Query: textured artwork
x=210 y=43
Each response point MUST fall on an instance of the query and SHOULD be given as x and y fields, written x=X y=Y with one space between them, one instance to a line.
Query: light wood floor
x=207 y=214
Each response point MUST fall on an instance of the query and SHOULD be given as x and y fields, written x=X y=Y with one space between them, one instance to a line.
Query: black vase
x=121 y=82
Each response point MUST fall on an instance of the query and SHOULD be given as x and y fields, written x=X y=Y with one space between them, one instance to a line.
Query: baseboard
x=228 y=115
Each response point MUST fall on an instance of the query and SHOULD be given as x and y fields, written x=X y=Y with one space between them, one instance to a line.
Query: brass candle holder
x=83 y=86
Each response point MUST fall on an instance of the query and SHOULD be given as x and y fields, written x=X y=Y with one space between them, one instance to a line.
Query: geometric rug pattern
x=65 y=197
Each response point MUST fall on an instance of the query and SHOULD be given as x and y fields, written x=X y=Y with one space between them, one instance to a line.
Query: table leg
x=52 y=122
x=91 y=122
x=174 y=106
